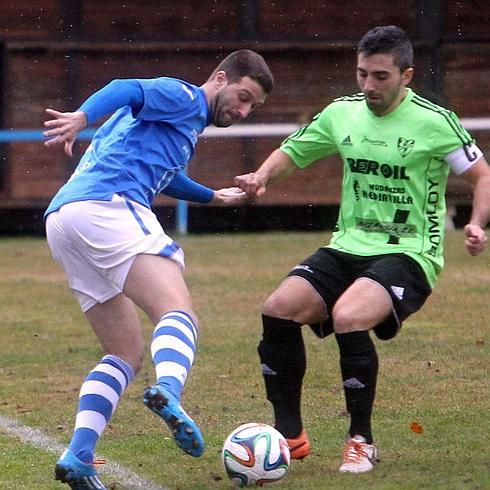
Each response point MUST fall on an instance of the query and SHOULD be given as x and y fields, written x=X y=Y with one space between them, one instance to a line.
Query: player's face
x=382 y=82
x=235 y=101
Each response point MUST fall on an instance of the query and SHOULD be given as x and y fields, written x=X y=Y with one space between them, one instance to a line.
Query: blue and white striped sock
x=99 y=396
x=173 y=348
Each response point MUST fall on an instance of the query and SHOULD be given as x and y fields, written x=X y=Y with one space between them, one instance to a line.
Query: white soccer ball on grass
x=255 y=454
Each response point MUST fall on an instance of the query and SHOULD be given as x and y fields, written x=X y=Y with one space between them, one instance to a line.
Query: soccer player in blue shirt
x=114 y=252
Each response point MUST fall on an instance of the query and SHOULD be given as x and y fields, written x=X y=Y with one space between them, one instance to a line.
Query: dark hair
x=244 y=63
x=388 y=40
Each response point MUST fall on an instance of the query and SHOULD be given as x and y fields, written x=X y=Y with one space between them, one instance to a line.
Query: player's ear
x=220 y=79
x=407 y=76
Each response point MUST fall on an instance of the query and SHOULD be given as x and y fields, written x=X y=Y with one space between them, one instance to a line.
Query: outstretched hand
x=476 y=239
x=229 y=196
x=64 y=128
x=253 y=184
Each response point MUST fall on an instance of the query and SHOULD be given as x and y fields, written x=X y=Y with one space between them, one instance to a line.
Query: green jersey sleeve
x=311 y=142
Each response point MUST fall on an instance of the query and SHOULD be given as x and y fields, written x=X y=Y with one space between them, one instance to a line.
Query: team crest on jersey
x=405 y=146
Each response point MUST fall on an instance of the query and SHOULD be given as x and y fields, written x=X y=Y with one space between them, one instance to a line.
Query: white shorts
x=96 y=243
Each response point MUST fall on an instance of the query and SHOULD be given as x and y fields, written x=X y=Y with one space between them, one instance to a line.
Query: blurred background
x=55 y=53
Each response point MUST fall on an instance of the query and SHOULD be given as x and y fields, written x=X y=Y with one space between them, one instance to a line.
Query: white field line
x=34 y=437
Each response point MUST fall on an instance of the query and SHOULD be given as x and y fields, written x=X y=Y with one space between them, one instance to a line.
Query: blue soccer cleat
x=186 y=433
x=80 y=476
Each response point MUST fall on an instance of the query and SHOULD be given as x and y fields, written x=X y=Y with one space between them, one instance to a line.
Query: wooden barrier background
x=55 y=53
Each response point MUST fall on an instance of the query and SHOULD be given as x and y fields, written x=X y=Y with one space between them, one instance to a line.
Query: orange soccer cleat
x=300 y=446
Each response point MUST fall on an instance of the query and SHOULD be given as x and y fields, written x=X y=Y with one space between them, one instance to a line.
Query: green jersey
x=394 y=176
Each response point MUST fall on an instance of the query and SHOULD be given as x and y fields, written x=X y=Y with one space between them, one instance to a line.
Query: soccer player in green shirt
x=387 y=251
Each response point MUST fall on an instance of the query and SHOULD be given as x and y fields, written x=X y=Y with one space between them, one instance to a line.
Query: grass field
x=435 y=373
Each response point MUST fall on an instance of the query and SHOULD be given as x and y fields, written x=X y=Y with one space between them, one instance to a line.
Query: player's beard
x=221 y=117
x=383 y=103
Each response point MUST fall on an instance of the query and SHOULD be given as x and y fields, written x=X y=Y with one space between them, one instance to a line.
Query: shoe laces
x=354 y=451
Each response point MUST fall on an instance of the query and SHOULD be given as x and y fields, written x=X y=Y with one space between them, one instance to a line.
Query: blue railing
x=25 y=135
x=237 y=131
x=13 y=135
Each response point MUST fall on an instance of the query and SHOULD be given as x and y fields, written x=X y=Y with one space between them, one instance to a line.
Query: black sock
x=359 y=366
x=283 y=361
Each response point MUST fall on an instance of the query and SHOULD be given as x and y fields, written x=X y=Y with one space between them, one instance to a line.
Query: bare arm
x=479 y=177
x=278 y=166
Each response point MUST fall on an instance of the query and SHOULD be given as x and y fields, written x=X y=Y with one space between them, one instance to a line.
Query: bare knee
x=346 y=320
x=277 y=306
x=343 y=320
x=306 y=310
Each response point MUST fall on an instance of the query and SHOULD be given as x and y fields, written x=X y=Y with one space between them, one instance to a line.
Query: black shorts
x=331 y=272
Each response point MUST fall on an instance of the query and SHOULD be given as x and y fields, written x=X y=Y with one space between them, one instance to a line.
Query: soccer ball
x=255 y=454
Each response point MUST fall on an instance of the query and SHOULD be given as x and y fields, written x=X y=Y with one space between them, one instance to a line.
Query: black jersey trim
x=299 y=132
x=458 y=129
x=346 y=98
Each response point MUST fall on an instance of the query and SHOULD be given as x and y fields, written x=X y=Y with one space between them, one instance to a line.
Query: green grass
x=434 y=373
